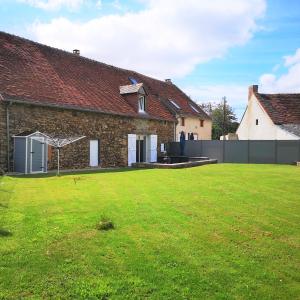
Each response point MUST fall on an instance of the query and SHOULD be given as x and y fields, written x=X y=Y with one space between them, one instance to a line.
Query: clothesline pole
x=57 y=161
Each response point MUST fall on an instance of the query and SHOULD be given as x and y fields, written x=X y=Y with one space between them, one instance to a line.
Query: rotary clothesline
x=56 y=142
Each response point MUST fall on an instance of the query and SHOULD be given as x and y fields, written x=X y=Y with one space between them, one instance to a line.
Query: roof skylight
x=194 y=108
x=132 y=80
x=175 y=104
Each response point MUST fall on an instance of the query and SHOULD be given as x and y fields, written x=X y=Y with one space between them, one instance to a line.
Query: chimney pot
x=252 y=89
x=168 y=80
x=76 y=51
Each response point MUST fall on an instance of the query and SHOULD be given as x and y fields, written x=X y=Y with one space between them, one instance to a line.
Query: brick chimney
x=252 y=89
x=76 y=52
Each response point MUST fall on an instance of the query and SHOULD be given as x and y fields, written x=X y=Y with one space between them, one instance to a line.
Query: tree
x=223 y=118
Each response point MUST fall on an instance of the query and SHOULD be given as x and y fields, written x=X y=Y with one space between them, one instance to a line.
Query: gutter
x=70 y=107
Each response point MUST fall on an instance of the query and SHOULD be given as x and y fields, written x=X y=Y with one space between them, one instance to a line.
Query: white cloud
x=54 y=4
x=99 y=4
x=166 y=39
x=292 y=59
x=288 y=82
x=237 y=95
x=116 y=4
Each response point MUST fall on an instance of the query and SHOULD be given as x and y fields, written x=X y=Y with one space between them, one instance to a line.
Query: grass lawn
x=214 y=232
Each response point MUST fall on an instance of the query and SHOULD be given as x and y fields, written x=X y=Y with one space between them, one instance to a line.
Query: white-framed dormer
x=136 y=96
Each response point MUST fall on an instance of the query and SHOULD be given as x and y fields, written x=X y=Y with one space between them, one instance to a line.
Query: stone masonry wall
x=110 y=130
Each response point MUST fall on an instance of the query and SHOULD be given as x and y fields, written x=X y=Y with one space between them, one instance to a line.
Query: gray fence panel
x=213 y=149
x=236 y=152
x=287 y=152
x=262 y=152
x=193 y=148
x=173 y=149
x=282 y=152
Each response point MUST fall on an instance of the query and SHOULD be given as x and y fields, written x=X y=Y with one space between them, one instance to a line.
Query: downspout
x=174 y=131
x=175 y=124
x=8 y=135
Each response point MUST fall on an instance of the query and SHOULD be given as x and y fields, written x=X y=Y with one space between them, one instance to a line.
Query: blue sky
x=209 y=50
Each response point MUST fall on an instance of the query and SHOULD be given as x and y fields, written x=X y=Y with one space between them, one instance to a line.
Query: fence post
x=201 y=147
x=276 y=151
x=299 y=151
x=248 y=150
x=223 y=149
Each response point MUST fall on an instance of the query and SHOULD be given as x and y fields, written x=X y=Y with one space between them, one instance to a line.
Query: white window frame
x=142 y=103
x=175 y=104
x=195 y=109
x=163 y=148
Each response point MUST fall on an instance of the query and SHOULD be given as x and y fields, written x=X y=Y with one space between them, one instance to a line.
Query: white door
x=94 y=153
x=131 y=149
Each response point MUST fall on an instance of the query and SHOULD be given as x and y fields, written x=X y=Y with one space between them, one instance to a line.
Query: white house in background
x=270 y=117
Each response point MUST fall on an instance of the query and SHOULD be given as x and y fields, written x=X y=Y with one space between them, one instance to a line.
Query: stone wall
x=110 y=130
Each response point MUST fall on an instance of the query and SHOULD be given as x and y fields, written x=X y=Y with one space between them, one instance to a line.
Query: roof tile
x=37 y=73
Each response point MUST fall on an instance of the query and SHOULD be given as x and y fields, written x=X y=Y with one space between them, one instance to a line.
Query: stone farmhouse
x=270 y=117
x=121 y=113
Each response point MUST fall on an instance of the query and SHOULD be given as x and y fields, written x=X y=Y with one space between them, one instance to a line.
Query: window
x=256 y=121
x=194 y=108
x=132 y=80
x=182 y=121
x=142 y=104
x=191 y=136
x=201 y=123
x=163 y=148
x=175 y=104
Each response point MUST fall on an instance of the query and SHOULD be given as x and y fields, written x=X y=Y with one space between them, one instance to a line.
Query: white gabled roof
x=30 y=133
x=131 y=88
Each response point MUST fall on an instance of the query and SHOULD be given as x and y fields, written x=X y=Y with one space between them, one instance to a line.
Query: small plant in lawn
x=105 y=224
x=4 y=232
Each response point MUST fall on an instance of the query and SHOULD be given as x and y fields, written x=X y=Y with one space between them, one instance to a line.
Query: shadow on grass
x=4 y=191
x=81 y=172
x=5 y=233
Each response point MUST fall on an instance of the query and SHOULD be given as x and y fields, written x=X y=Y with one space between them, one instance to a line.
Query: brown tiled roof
x=292 y=128
x=282 y=108
x=186 y=107
x=36 y=73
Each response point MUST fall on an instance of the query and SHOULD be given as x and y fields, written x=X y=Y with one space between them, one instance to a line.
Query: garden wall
x=268 y=152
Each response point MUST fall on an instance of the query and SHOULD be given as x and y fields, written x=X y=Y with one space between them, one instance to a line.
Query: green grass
x=214 y=232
